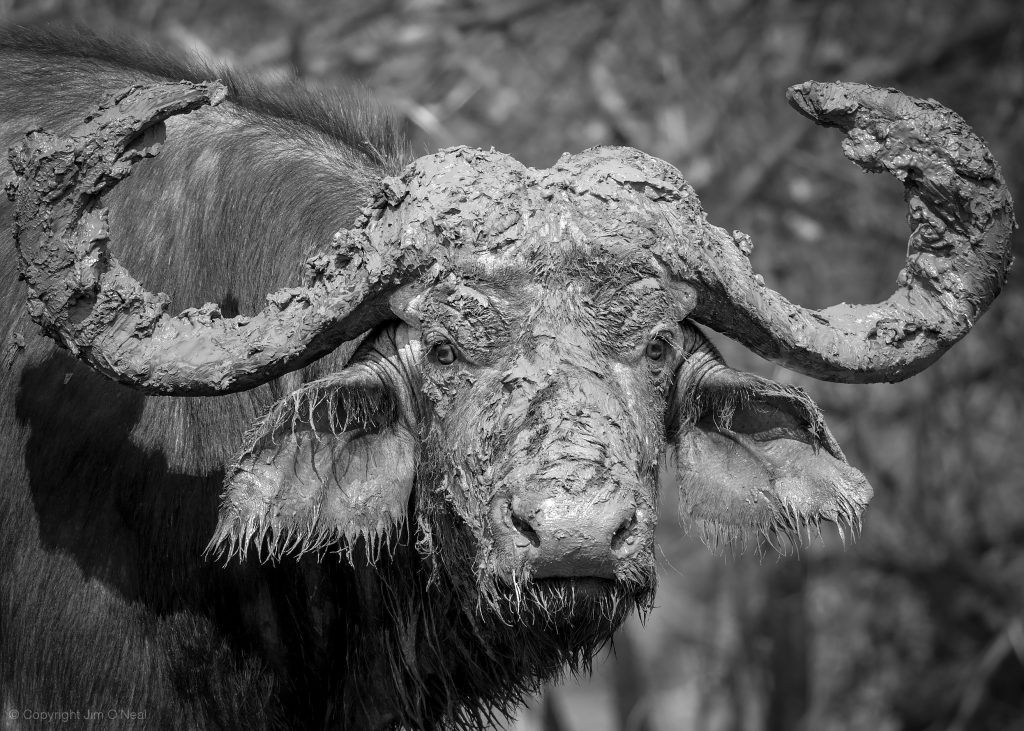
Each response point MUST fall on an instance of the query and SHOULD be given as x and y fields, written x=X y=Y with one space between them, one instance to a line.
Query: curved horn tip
x=836 y=103
x=805 y=98
x=961 y=215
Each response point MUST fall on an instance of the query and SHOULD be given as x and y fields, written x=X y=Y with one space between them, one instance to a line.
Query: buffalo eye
x=656 y=350
x=444 y=353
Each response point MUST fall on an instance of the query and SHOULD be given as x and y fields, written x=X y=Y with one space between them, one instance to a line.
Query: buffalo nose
x=574 y=538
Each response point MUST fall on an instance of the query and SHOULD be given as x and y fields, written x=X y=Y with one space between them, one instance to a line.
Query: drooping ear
x=755 y=458
x=328 y=464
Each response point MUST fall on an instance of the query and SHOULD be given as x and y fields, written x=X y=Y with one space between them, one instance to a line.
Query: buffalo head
x=532 y=359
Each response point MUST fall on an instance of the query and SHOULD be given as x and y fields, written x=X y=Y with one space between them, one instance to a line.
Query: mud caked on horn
x=85 y=300
x=961 y=215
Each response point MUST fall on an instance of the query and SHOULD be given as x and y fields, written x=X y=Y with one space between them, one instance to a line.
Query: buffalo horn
x=84 y=298
x=961 y=216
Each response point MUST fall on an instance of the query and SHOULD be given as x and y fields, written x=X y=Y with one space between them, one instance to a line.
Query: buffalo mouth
x=586 y=607
x=583 y=588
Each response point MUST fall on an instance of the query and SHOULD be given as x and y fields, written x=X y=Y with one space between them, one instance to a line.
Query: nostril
x=525 y=528
x=624 y=534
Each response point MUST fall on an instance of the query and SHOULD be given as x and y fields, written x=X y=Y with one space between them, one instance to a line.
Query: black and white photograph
x=511 y=365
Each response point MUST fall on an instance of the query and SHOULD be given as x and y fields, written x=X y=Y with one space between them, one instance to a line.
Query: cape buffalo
x=419 y=477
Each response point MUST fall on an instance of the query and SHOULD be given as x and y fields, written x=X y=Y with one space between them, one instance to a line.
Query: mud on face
x=546 y=389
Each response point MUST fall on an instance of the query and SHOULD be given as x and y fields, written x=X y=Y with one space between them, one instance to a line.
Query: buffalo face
x=546 y=398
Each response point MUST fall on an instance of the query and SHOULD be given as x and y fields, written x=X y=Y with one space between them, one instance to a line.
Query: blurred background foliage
x=919 y=624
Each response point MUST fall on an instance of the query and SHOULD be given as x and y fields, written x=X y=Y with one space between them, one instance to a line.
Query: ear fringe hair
x=783 y=531
x=354 y=399
x=708 y=389
x=271 y=539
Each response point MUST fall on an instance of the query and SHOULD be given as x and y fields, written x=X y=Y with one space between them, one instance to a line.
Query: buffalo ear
x=329 y=464
x=756 y=460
